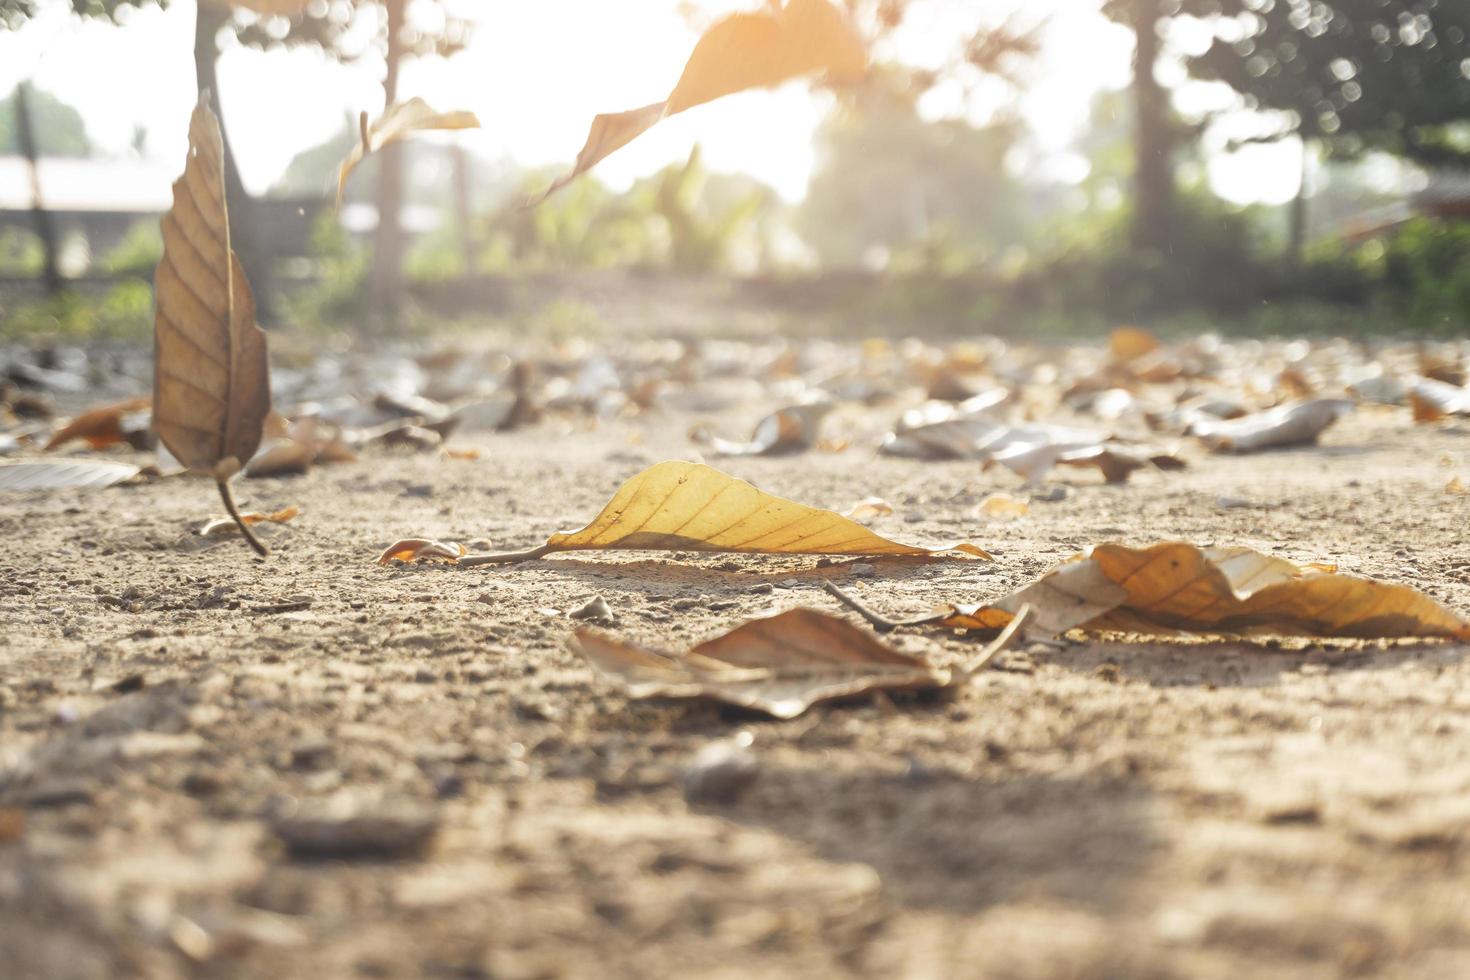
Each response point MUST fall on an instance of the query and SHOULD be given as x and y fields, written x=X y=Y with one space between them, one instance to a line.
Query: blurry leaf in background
x=104 y=426
x=63 y=474
x=1287 y=425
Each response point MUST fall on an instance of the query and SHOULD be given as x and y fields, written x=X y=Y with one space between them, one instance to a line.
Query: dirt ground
x=179 y=729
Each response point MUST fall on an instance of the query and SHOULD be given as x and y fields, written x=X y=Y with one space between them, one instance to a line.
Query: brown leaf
x=680 y=506
x=1178 y=588
x=742 y=51
x=780 y=665
x=211 y=389
x=1432 y=400
x=63 y=474
x=788 y=431
x=104 y=426
x=399 y=121
x=419 y=549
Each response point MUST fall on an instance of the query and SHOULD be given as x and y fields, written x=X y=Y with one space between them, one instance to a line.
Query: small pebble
x=764 y=588
x=721 y=772
x=863 y=570
x=596 y=610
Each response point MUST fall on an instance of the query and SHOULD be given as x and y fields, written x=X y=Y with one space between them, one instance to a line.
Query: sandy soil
x=182 y=736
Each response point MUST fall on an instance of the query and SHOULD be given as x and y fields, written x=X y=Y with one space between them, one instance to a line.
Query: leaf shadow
x=651 y=575
x=945 y=840
x=1245 y=663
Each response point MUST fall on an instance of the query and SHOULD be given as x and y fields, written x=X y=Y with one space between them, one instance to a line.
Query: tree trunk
x=388 y=245
x=30 y=149
x=1297 y=227
x=1153 y=136
x=244 y=233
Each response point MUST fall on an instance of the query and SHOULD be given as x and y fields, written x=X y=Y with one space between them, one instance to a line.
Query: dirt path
x=171 y=717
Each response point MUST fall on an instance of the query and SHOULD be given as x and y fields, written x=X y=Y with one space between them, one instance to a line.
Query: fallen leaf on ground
x=211 y=387
x=64 y=474
x=420 y=549
x=1002 y=506
x=681 y=506
x=1456 y=485
x=742 y=51
x=790 y=430
x=1432 y=400
x=398 y=121
x=108 y=425
x=1128 y=343
x=1179 y=588
x=780 y=665
x=1286 y=425
x=223 y=526
x=867 y=509
x=12 y=824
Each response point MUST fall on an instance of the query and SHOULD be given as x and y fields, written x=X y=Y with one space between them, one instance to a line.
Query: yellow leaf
x=1128 y=343
x=398 y=121
x=1004 y=507
x=419 y=549
x=742 y=51
x=781 y=665
x=211 y=381
x=680 y=506
x=1179 y=588
x=1456 y=485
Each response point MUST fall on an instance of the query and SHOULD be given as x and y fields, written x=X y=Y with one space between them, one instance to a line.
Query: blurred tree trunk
x=1296 y=240
x=388 y=245
x=1153 y=135
x=31 y=150
x=244 y=233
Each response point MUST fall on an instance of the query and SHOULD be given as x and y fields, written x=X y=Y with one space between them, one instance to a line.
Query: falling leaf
x=1130 y=343
x=789 y=430
x=398 y=121
x=211 y=388
x=868 y=509
x=742 y=51
x=419 y=549
x=1004 y=507
x=222 y=526
x=1287 y=425
x=105 y=426
x=64 y=474
x=780 y=665
x=680 y=506
x=1178 y=588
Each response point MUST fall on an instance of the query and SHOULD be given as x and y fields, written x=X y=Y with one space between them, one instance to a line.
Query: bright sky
x=537 y=71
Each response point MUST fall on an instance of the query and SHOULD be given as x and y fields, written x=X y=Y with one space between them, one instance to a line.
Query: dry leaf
x=867 y=509
x=1179 y=588
x=1432 y=400
x=418 y=549
x=12 y=824
x=790 y=430
x=1128 y=343
x=211 y=388
x=64 y=474
x=399 y=121
x=107 y=426
x=1004 y=507
x=222 y=526
x=781 y=665
x=680 y=506
x=1456 y=485
x=742 y=51
x=1287 y=425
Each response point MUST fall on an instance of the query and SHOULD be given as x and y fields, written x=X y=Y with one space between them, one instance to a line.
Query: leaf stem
x=229 y=499
x=505 y=557
x=995 y=646
x=877 y=620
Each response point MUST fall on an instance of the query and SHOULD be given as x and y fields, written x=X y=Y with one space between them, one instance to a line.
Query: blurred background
x=1038 y=167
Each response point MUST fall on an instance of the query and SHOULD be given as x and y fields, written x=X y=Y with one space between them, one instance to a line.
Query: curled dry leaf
x=108 y=425
x=420 y=549
x=211 y=382
x=398 y=121
x=867 y=509
x=742 y=51
x=780 y=665
x=224 y=526
x=680 y=506
x=1178 y=588
x=64 y=474
x=1286 y=425
x=1432 y=400
x=790 y=430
